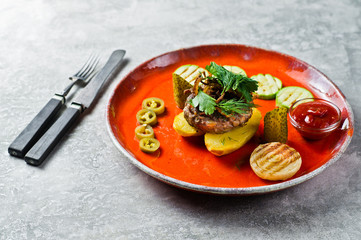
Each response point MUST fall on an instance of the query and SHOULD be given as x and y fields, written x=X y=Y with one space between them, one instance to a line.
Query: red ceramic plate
x=185 y=162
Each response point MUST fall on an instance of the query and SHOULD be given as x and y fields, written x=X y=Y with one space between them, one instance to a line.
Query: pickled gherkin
x=183 y=78
x=275 y=125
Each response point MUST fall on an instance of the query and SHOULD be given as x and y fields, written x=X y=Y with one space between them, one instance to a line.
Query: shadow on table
x=296 y=206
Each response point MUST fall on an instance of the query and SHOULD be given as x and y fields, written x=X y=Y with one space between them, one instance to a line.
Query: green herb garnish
x=234 y=106
x=206 y=103
x=229 y=82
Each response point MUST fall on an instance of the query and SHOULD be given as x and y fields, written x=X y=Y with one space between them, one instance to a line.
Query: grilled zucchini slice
x=235 y=69
x=288 y=95
x=268 y=86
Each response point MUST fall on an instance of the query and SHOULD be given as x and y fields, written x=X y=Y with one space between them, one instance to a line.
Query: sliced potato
x=225 y=143
x=183 y=78
x=182 y=127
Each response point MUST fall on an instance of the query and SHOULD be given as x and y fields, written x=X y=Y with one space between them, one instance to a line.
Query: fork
x=83 y=74
x=36 y=128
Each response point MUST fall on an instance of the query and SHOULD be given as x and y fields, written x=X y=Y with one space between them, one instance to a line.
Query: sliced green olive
x=149 y=145
x=146 y=116
x=154 y=104
x=144 y=131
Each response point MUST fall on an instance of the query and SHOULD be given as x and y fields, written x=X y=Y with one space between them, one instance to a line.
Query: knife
x=38 y=153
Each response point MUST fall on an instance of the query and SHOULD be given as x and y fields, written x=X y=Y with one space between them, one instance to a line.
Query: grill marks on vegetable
x=269 y=156
x=274 y=157
x=288 y=95
x=183 y=79
x=190 y=73
x=268 y=86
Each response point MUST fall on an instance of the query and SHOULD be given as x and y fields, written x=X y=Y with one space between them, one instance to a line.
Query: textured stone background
x=88 y=190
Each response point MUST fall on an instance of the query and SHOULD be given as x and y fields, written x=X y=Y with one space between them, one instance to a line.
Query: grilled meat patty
x=215 y=123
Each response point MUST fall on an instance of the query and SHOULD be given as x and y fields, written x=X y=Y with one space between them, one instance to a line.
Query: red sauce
x=316 y=119
x=315 y=114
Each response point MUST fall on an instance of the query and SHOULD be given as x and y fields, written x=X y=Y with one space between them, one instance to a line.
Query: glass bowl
x=314 y=118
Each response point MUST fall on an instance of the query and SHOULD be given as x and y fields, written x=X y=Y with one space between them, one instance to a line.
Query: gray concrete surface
x=88 y=190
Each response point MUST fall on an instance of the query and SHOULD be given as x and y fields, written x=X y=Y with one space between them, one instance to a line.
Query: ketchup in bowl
x=314 y=118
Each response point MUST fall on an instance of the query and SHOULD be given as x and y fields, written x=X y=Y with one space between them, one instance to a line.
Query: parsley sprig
x=206 y=103
x=229 y=82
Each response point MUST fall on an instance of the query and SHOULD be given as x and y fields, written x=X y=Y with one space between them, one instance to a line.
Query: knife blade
x=38 y=153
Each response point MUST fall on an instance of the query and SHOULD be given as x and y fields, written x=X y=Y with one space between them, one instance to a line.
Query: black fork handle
x=53 y=135
x=36 y=128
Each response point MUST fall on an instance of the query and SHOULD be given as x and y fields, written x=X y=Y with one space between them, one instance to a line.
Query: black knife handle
x=33 y=131
x=53 y=135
